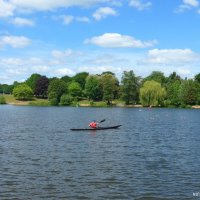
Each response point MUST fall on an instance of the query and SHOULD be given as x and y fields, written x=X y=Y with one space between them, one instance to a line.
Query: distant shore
x=10 y=100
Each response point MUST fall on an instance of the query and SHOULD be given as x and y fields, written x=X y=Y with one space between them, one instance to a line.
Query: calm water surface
x=154 y=155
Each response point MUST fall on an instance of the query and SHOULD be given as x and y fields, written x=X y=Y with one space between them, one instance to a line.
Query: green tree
x=152 y=94
x=66 y=79
x=93 y=89
x=23 y=92
x=173 y=90
x=75 y=90
x=108 y=72
x=110 y=87
x=197 y=78
x=56 y=89
x=130 y=87
x=189 y=90
x=156 y=76
x=66 y=99
x=31 y=81
x=81 y=79
x=6 y=89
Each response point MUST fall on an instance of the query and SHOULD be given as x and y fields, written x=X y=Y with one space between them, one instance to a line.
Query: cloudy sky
x=64 y=37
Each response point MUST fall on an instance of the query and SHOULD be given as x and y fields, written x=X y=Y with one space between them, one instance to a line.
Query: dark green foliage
x=109 y=85
x=130 y=87
x=197 y=78
x=6 y=89
x=66 y=99
x=23 y=92
x=66 y=79
x=2 y=99
x=93 y=89
x=81 y=79
x=31 y=81
x=108 y=72
x=56 y=89
x=41 y=87
x=156 y=76
x=173 y=90
x=189 y=92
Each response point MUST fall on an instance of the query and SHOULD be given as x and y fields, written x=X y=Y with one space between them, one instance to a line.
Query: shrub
x=23 y=92
x=66 y=99
x=2 y=100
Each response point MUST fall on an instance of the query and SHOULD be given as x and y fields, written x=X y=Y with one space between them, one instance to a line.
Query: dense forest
x=153 y=90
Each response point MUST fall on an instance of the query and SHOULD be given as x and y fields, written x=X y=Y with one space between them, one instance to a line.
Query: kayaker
x=93 y=124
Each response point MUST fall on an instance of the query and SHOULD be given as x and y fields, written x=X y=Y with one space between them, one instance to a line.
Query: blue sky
x=65 y=37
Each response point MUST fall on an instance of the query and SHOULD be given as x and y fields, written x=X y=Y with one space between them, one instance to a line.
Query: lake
x=154 y=155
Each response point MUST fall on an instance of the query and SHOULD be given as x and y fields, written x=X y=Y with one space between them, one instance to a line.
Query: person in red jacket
x=93 y=124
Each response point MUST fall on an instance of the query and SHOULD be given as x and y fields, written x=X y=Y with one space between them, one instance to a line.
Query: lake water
x=154 y=155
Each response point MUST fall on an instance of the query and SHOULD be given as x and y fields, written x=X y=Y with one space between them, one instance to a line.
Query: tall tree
x=173 y=90
x=152 y=94
x=130 y=87
x=31 y=81
x=81 y=78
x=197 y=77
x=109 y=85
x=41 y=87
x=156 y=76
x=189 y=91
x=56 y=89
x=93 y=89
x=75 y=90
x=66 y=79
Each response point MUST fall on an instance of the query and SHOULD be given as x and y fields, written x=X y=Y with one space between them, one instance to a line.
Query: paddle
x=103 y=120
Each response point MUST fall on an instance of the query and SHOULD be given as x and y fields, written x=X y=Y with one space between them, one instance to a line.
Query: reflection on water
x=154 y=155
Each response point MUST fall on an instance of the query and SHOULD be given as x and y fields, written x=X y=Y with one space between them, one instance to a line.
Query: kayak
x=94 y=129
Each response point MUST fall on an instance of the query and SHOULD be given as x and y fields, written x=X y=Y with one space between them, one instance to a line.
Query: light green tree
x=152 y=94
x=75 y=90
x=23 y=92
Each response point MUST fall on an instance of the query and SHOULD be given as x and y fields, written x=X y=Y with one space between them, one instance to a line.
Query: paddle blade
x=102 y=120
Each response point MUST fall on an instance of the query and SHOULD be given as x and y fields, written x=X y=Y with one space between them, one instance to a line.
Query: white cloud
x=64 y=71
x=14 y=41
x=115 y=40
x=6 y=9
x=193 y=3
x=65 y=54
x=171 y=56
x=187 y=5
x=82 y=19
x=183 y=71
x=10 y=7
x=45 y=5
x=67 y=19
x=103 y=12
x=138 y=4
x=18 y=21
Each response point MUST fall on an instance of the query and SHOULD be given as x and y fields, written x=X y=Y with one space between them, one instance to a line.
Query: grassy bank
x=45 y=102
x=34 y=102
x=9 y=99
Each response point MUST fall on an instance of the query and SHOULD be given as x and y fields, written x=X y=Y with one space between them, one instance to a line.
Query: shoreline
x=27 y=103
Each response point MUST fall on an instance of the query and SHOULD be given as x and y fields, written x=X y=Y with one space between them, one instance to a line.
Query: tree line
x=153 y=90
